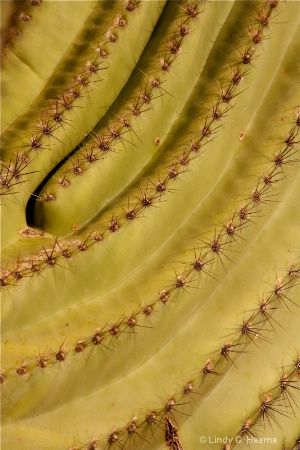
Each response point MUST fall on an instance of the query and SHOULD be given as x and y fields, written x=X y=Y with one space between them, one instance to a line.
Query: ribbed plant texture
x=150 y=225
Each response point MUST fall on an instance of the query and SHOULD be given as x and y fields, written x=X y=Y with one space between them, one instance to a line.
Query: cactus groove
x=150 y=217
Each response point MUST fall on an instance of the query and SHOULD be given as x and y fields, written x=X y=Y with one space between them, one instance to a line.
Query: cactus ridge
x=269 y=409
x=57 y=114
x=274 y=403
x=47 y=125
x=101 y=144
x=207 y=131
x=105 y=337
x=280 y=159
x=54 y=117
x=228 y=233
x=249 y=331
x=49 y=198
x=112 y=348
x=41 y=61
x=90 y=107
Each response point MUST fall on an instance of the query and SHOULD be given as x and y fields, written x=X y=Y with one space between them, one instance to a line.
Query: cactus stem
x=80 y=330
x=206 y=131
x=266 y=412
x=218 y=246
x=141 y=104
x=270 y=406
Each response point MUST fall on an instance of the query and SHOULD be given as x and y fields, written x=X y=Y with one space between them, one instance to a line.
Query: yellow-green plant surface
x=150 y=225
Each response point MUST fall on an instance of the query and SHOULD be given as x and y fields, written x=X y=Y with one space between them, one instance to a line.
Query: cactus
x=150 y=260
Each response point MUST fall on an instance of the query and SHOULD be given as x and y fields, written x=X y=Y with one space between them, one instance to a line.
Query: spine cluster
x=274 y=403
x=85 y=321
x=58 y=113
x=216 y=249
x=156 y=190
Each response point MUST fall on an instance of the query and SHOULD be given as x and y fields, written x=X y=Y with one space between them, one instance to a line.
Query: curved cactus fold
x=150 y=225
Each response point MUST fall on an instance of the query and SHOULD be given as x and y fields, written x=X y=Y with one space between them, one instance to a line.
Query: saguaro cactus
x=150 y=225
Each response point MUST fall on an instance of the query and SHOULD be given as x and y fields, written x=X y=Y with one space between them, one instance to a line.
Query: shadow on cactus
x=150 y=225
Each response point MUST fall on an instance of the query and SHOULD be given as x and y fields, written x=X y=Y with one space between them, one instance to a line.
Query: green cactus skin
x=158 y=115
x=203 y=386
x=87 y=108
x=34 y=60
x=155 y=299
